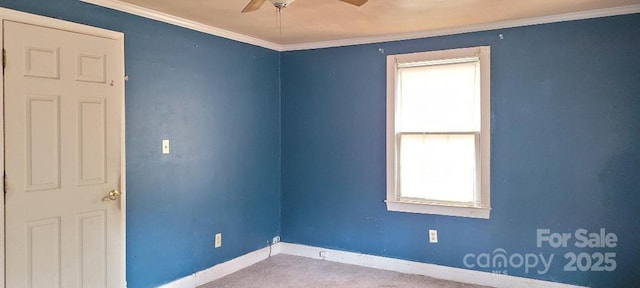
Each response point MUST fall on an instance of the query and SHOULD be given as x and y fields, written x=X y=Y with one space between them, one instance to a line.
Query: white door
x=63 y=113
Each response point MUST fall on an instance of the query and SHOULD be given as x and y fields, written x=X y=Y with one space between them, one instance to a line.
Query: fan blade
x=355 y=2
x=253 y=6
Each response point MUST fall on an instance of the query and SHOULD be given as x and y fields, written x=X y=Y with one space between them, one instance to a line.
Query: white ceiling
x=322 y=23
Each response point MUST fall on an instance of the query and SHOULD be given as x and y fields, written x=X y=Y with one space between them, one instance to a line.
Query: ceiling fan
x=280 y=4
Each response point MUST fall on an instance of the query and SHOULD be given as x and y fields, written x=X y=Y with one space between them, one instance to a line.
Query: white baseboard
x=418 y=268
x=378 y=262
x=223 y=269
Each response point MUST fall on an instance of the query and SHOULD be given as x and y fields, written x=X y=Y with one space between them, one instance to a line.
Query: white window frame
x=480 y=209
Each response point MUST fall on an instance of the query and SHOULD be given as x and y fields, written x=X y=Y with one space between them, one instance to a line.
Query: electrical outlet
x=218 y=240
x=433 y=236
x=276 y=239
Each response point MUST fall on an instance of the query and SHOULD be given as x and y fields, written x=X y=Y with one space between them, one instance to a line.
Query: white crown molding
x=182 y=22
x=163 y=17
x=631 y=9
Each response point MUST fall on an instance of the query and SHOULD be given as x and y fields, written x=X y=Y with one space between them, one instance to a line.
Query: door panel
x=43 y=142
x=43 y=253
x=63 y=126
x=91 y=141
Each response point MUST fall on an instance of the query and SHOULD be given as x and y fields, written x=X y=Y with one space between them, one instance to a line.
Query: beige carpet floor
x=285 y=271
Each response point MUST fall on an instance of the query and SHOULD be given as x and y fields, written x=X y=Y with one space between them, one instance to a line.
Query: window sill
x=447 y=210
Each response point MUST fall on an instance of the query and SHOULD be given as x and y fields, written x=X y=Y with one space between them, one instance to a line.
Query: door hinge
x=4 y=183
x=4 y=58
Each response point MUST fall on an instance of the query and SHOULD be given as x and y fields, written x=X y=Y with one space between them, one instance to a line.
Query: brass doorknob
x=113 y=195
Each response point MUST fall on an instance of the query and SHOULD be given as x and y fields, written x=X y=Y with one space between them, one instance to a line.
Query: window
x=438 y=133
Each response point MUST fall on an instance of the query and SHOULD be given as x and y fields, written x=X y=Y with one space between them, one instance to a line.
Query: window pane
x=439 y=98
x=438 y=167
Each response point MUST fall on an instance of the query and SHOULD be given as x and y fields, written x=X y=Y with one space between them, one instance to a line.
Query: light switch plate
x=165 y=146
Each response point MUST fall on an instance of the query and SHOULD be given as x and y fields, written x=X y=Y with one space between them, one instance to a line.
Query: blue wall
x=565 y=149
x=217 y=100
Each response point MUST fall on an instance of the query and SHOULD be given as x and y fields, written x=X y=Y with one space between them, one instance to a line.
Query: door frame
x=27 y=18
